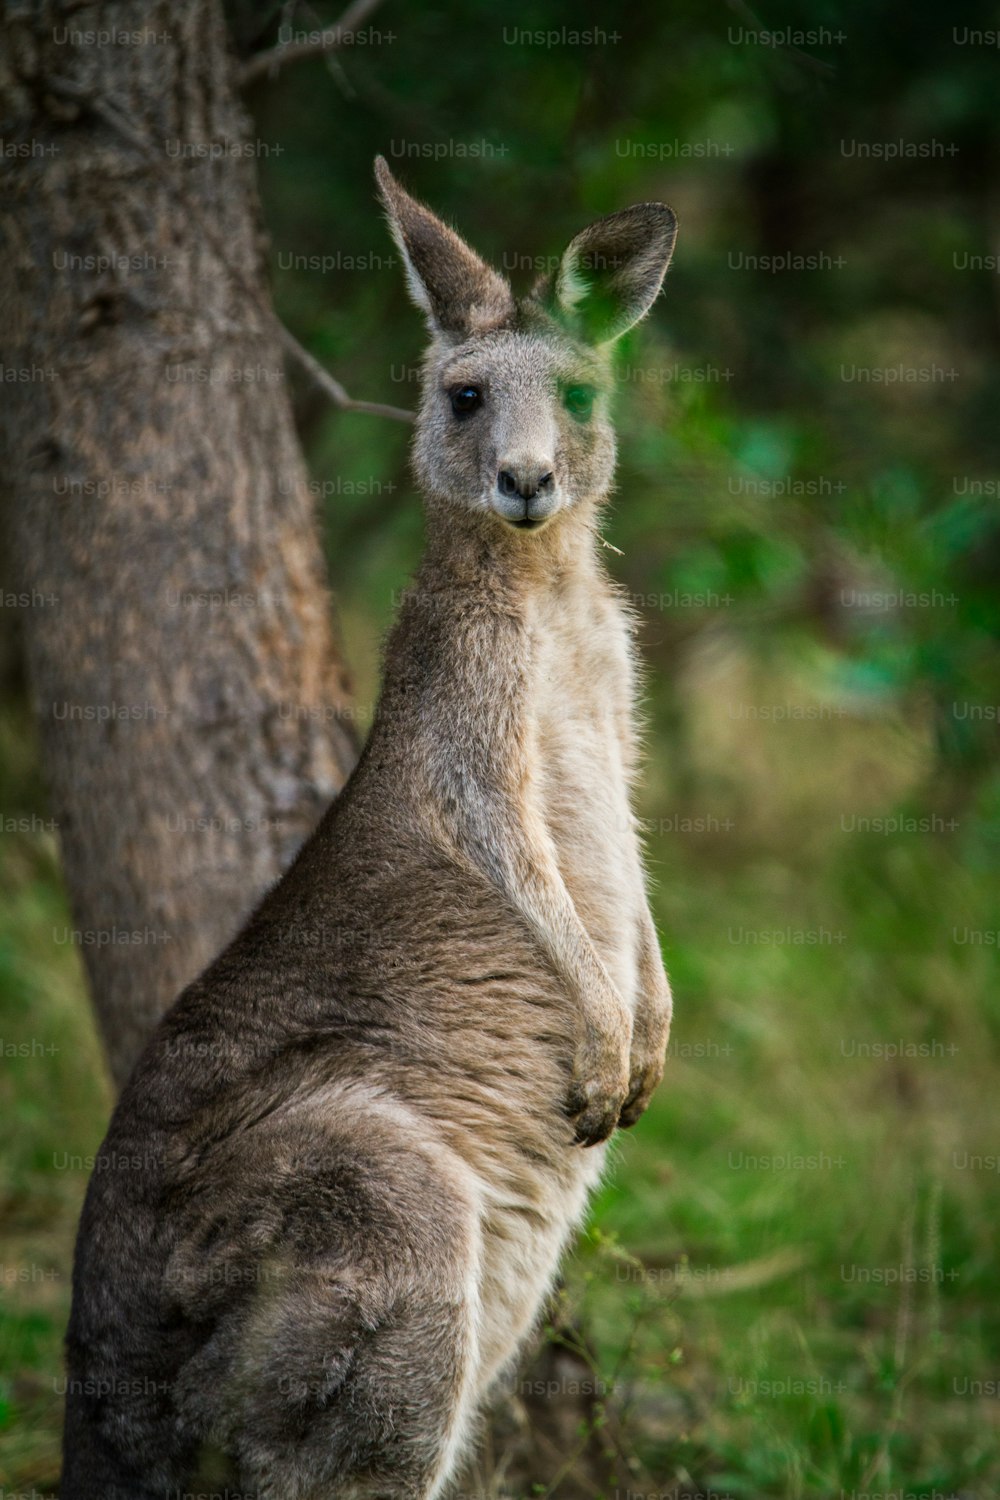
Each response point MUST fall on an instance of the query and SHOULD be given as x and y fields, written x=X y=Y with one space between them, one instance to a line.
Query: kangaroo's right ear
x=459 y=293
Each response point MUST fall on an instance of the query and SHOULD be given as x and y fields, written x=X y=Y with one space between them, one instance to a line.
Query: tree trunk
x=190 y=694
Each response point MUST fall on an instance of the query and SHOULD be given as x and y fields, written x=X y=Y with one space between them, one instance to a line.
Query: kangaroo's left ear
x=612 y=271
x=458 y=292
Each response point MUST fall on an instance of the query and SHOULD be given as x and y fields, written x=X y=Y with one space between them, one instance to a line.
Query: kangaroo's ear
x=458 y=291
x=612 y=271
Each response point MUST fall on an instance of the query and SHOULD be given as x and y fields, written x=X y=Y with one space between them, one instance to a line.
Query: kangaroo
x=335 y=1192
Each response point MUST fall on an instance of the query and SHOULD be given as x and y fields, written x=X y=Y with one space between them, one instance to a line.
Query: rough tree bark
x=193 y=706
x=190 y=694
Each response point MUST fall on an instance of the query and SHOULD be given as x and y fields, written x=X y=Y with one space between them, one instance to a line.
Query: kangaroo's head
x=514 y=417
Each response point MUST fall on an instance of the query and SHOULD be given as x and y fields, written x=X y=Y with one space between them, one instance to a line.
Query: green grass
x=54 y=1105
x=789 y=1275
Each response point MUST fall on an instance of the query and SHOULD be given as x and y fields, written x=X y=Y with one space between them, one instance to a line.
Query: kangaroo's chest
x=582 y=717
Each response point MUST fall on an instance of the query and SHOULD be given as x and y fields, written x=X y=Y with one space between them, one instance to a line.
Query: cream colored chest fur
x=581 y=723
x=582 y=719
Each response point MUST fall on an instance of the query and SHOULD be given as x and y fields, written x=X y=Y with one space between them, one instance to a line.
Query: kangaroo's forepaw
x=642 y=1085
x=594 y=1106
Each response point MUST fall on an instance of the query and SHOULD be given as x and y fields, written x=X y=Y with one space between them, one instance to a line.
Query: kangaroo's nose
x=524 y=480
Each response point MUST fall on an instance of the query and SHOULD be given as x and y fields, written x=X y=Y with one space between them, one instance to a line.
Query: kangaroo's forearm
x=655 y=1004
x=516 y=855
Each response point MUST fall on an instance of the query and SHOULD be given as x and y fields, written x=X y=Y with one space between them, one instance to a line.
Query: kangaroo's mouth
x=525 y=515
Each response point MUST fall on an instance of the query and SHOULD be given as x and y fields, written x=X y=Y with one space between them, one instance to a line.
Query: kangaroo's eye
x=465 y=399
x=579 y=401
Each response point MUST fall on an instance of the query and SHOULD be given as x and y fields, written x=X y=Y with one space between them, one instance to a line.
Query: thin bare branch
x=327 y=40
x=332 y=387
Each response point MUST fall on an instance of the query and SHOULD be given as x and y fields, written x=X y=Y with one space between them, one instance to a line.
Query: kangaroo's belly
x=497 y=1112
x=523 y=1240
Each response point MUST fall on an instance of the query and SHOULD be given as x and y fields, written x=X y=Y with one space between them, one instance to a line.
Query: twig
x=332 y=387
x=327 y=40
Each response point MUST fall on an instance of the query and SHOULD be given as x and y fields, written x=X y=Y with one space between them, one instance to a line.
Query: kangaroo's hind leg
x=351 y=1368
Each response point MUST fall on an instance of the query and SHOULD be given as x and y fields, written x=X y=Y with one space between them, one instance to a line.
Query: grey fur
x=334 y=1194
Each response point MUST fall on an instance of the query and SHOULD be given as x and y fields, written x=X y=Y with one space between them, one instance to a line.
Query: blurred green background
x=790 y=1277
